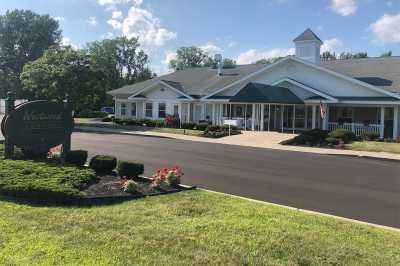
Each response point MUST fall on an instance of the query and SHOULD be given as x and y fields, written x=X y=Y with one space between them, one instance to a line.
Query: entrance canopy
x=262 y=93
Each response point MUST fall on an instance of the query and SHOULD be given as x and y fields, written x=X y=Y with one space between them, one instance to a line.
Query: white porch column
x=188 y=112
x=325 y=121
x=180 y=114
x=213 y=114
x=395 y=121
x=382 y=124
x=294 y=117
x=253 y=116
x=269 y=116
x=221 y=113
x=262 y=118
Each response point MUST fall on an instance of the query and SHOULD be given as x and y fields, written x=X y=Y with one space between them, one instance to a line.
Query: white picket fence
x=358 y=128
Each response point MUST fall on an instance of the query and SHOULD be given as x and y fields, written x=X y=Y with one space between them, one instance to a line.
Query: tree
x=346 y=56
x=62 y=72
x=387 y=54
x=118 y=62
x=189 y=57
x=327 y=56
x=24 y=36
x=229 y=63
x=268 y=61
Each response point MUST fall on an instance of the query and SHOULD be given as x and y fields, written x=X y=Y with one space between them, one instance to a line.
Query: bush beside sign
x=38 y=125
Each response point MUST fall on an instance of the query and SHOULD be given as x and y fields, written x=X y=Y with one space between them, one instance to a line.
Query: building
x=295 y=93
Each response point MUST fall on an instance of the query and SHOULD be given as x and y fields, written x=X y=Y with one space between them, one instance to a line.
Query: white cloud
x=331 y=45
x=65 y=41
x=253 y=55
x=59 y=19
x=142 y=24
x=116 y=14
x=387 y=29
x=115 y=24
x=112 y=4
x=344 y=7
x=232 y=44
x=92 y=21
x=169 y=55
x=211 y=48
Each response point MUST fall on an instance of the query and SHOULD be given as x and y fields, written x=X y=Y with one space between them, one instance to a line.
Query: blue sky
x=245 y=30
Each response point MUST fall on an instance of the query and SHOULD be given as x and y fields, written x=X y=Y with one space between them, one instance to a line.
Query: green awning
x=261 y=93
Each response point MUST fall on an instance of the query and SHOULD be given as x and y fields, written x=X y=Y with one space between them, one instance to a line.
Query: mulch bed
x=109 y=186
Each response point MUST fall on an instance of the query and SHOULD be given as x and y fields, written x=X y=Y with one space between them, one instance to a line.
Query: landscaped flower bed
x=52 y=180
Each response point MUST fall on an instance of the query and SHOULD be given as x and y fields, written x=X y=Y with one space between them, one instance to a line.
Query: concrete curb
x=99 y=131
x=364 y=157
x=306 y=211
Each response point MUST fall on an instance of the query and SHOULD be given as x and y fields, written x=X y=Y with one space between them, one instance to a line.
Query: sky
x=244 y=30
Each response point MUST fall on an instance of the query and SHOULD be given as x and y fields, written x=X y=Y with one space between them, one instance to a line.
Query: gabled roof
x=307 y=35
x=382 y=72
x=194 y=81
x=261 y=93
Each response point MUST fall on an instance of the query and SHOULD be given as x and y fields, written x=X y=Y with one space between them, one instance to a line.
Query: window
x=149 y=109
x=133 y=109
x=161 y=110
x=123 y=108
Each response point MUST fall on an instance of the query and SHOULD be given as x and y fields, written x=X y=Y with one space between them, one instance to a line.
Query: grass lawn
x=179 y=131
x=187 y=228
x=41 y=180
x=374 y=146
x=96 y=123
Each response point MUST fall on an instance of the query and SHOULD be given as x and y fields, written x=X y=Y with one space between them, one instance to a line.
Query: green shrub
x=188 y=125
x=103 y=164
x=130 y=186
x=77 y=157
x=371 y=136
x=91 y=114
x=201 y=126
x=332 y=141
x=213 y=128
x=106 y=119
x=130 y=169
x=342 y=134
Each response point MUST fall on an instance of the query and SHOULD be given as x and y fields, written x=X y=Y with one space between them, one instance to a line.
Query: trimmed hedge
x=103 y=164
x=77 y=157
x=188 y=125
x=130 y=169
x=371 y=136
x=311 y=137
x=342 y=134
x=214 y=131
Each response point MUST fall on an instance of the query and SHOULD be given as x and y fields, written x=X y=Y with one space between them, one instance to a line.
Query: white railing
x=358 y=128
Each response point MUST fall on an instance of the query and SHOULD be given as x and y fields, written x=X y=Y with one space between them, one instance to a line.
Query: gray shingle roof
x=307 y=35
x=197 y=82
x=383 y=72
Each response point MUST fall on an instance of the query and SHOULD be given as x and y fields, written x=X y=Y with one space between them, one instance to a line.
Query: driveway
x=357 y=188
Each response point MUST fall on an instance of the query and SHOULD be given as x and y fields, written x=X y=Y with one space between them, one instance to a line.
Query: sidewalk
x=268 y=140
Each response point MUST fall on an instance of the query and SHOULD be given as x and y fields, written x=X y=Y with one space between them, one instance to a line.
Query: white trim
x=331 y=98
x=157 y=83
x=372 y=102
x=296 y=59
x=247 y=77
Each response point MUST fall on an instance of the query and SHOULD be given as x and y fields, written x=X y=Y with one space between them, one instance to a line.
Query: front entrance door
x=275 y=118
x=197 y=112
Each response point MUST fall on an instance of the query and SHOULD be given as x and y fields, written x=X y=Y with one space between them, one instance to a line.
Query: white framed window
x=162 y=107
x=133 y=109
x=149 y=110
x=123 y=109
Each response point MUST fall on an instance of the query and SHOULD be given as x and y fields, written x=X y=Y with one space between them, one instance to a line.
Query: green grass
x=180 y=131
x=41 y=180
x=187 y=228
x=374 y=146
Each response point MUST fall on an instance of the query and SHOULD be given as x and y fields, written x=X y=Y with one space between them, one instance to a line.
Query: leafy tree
x=24 y=36
x=229 y=63
x=118 y=62
x=62 y=72
x=268 y=61
x=387 y=54
x=327 y=56
x=346 y=56
x=189 y=57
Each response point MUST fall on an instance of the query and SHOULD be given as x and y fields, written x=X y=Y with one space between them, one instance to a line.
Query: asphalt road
x=362 y=189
